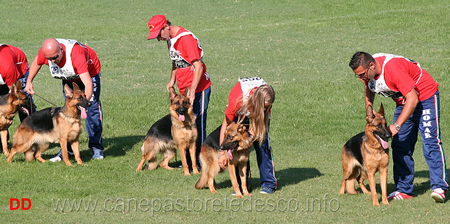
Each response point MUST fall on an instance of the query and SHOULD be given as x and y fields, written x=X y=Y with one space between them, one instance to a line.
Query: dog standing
x=9 y=105
x=54 y=124
x=367 y=152
x=175 y=130
x=237 y=141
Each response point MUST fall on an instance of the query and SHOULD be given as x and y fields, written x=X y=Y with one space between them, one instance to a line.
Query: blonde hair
x=264 y=94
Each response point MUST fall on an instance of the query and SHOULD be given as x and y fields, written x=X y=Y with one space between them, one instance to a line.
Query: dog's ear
x=68 y=91
x=76 y=87
x=228 y=120
x=172 y=93
x=369 y=114
x=18 y=85
x=381 y=110
x=13 y=90
x=187 y=92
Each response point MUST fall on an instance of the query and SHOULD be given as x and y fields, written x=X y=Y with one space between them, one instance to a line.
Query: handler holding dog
x=253 y=98
x=74 y=62
x=188 y=68
x=13 y=67
x=418 y=110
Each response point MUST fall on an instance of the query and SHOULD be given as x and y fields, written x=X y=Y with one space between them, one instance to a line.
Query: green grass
x=302 y=48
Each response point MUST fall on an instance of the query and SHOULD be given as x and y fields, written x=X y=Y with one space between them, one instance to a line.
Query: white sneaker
x=438 y=195
x=58 y=157
x=98 y=154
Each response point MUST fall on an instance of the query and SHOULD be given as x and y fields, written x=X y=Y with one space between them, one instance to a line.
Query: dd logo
x=23 y=204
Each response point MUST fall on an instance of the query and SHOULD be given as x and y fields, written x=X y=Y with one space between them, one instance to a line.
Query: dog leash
x=45 y=100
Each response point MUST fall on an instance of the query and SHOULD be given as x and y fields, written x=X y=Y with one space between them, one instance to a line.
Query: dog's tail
x=201 y=183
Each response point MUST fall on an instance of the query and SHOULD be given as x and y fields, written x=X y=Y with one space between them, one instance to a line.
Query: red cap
x=155 y=24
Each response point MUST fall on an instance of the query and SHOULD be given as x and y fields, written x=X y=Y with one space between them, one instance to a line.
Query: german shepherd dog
x=237 y=141
x=54 y=124
x=367 y=152
x=9 y=106
x=175 y=130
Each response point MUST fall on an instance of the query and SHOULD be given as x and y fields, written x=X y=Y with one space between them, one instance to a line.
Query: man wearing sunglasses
x=72 y=61
x=188 y=69
x=418 y=111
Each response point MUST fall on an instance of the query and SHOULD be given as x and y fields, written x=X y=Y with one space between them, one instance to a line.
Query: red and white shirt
x=78 y=59
x=399 y=76
x=184 y=49
x=13 y=64
x=240 y=93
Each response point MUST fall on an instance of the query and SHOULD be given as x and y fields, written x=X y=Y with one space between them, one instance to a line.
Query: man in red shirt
x=188 y=69
x=13 y=67
x=418 y=110
x=72 y=61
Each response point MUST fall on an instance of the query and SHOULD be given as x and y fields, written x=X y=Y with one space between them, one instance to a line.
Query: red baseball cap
x=155 y=24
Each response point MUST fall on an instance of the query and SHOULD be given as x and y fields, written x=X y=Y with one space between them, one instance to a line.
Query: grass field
x=302 y=48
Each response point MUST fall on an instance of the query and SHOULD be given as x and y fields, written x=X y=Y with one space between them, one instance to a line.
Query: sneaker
x=233 y=194
x=267 y=190
x=438 y=195
x=58 y=157
x=98 y=154
x=397 y=195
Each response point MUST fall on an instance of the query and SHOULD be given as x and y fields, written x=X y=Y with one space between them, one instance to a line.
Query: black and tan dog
x=237 y=141
x=9 y=106
x=54 y=124
x=367 y=152
x=175 y=130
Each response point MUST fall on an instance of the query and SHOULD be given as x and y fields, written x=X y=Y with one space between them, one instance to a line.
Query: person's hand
x=393 y=129
x=29 y=88
x=223 y=160
x=170 y=85
x=192 y=97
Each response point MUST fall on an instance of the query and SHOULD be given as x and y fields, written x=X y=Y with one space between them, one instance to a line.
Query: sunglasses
x=159 y=35
x=362 y=74
x=53 y=58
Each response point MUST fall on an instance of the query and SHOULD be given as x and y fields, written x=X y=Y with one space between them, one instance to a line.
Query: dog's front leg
x=232 y=170
x=182 y=148
x=65 y=154
x=192 y=153
x=372 y=184
x=243 y=175
x=383 y=179
x=4 y=136
x=76 y=152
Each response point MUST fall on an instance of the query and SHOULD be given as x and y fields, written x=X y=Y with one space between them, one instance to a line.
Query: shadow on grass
x=284 y=177
x=295 y=175
x=114 y=147
x=420 y=188
x=119 y=146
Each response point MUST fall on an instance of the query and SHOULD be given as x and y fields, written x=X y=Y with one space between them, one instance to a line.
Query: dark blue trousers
x=424 y=120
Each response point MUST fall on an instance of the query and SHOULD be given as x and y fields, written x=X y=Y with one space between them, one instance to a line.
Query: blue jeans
x=425 y=119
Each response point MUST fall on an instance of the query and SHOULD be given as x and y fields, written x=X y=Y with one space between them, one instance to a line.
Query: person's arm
x=198 y=72
x=368 y=96
x=34 y=69
x=412 y=99
x=173 y=76
x=88 y=86
x=222 y=153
